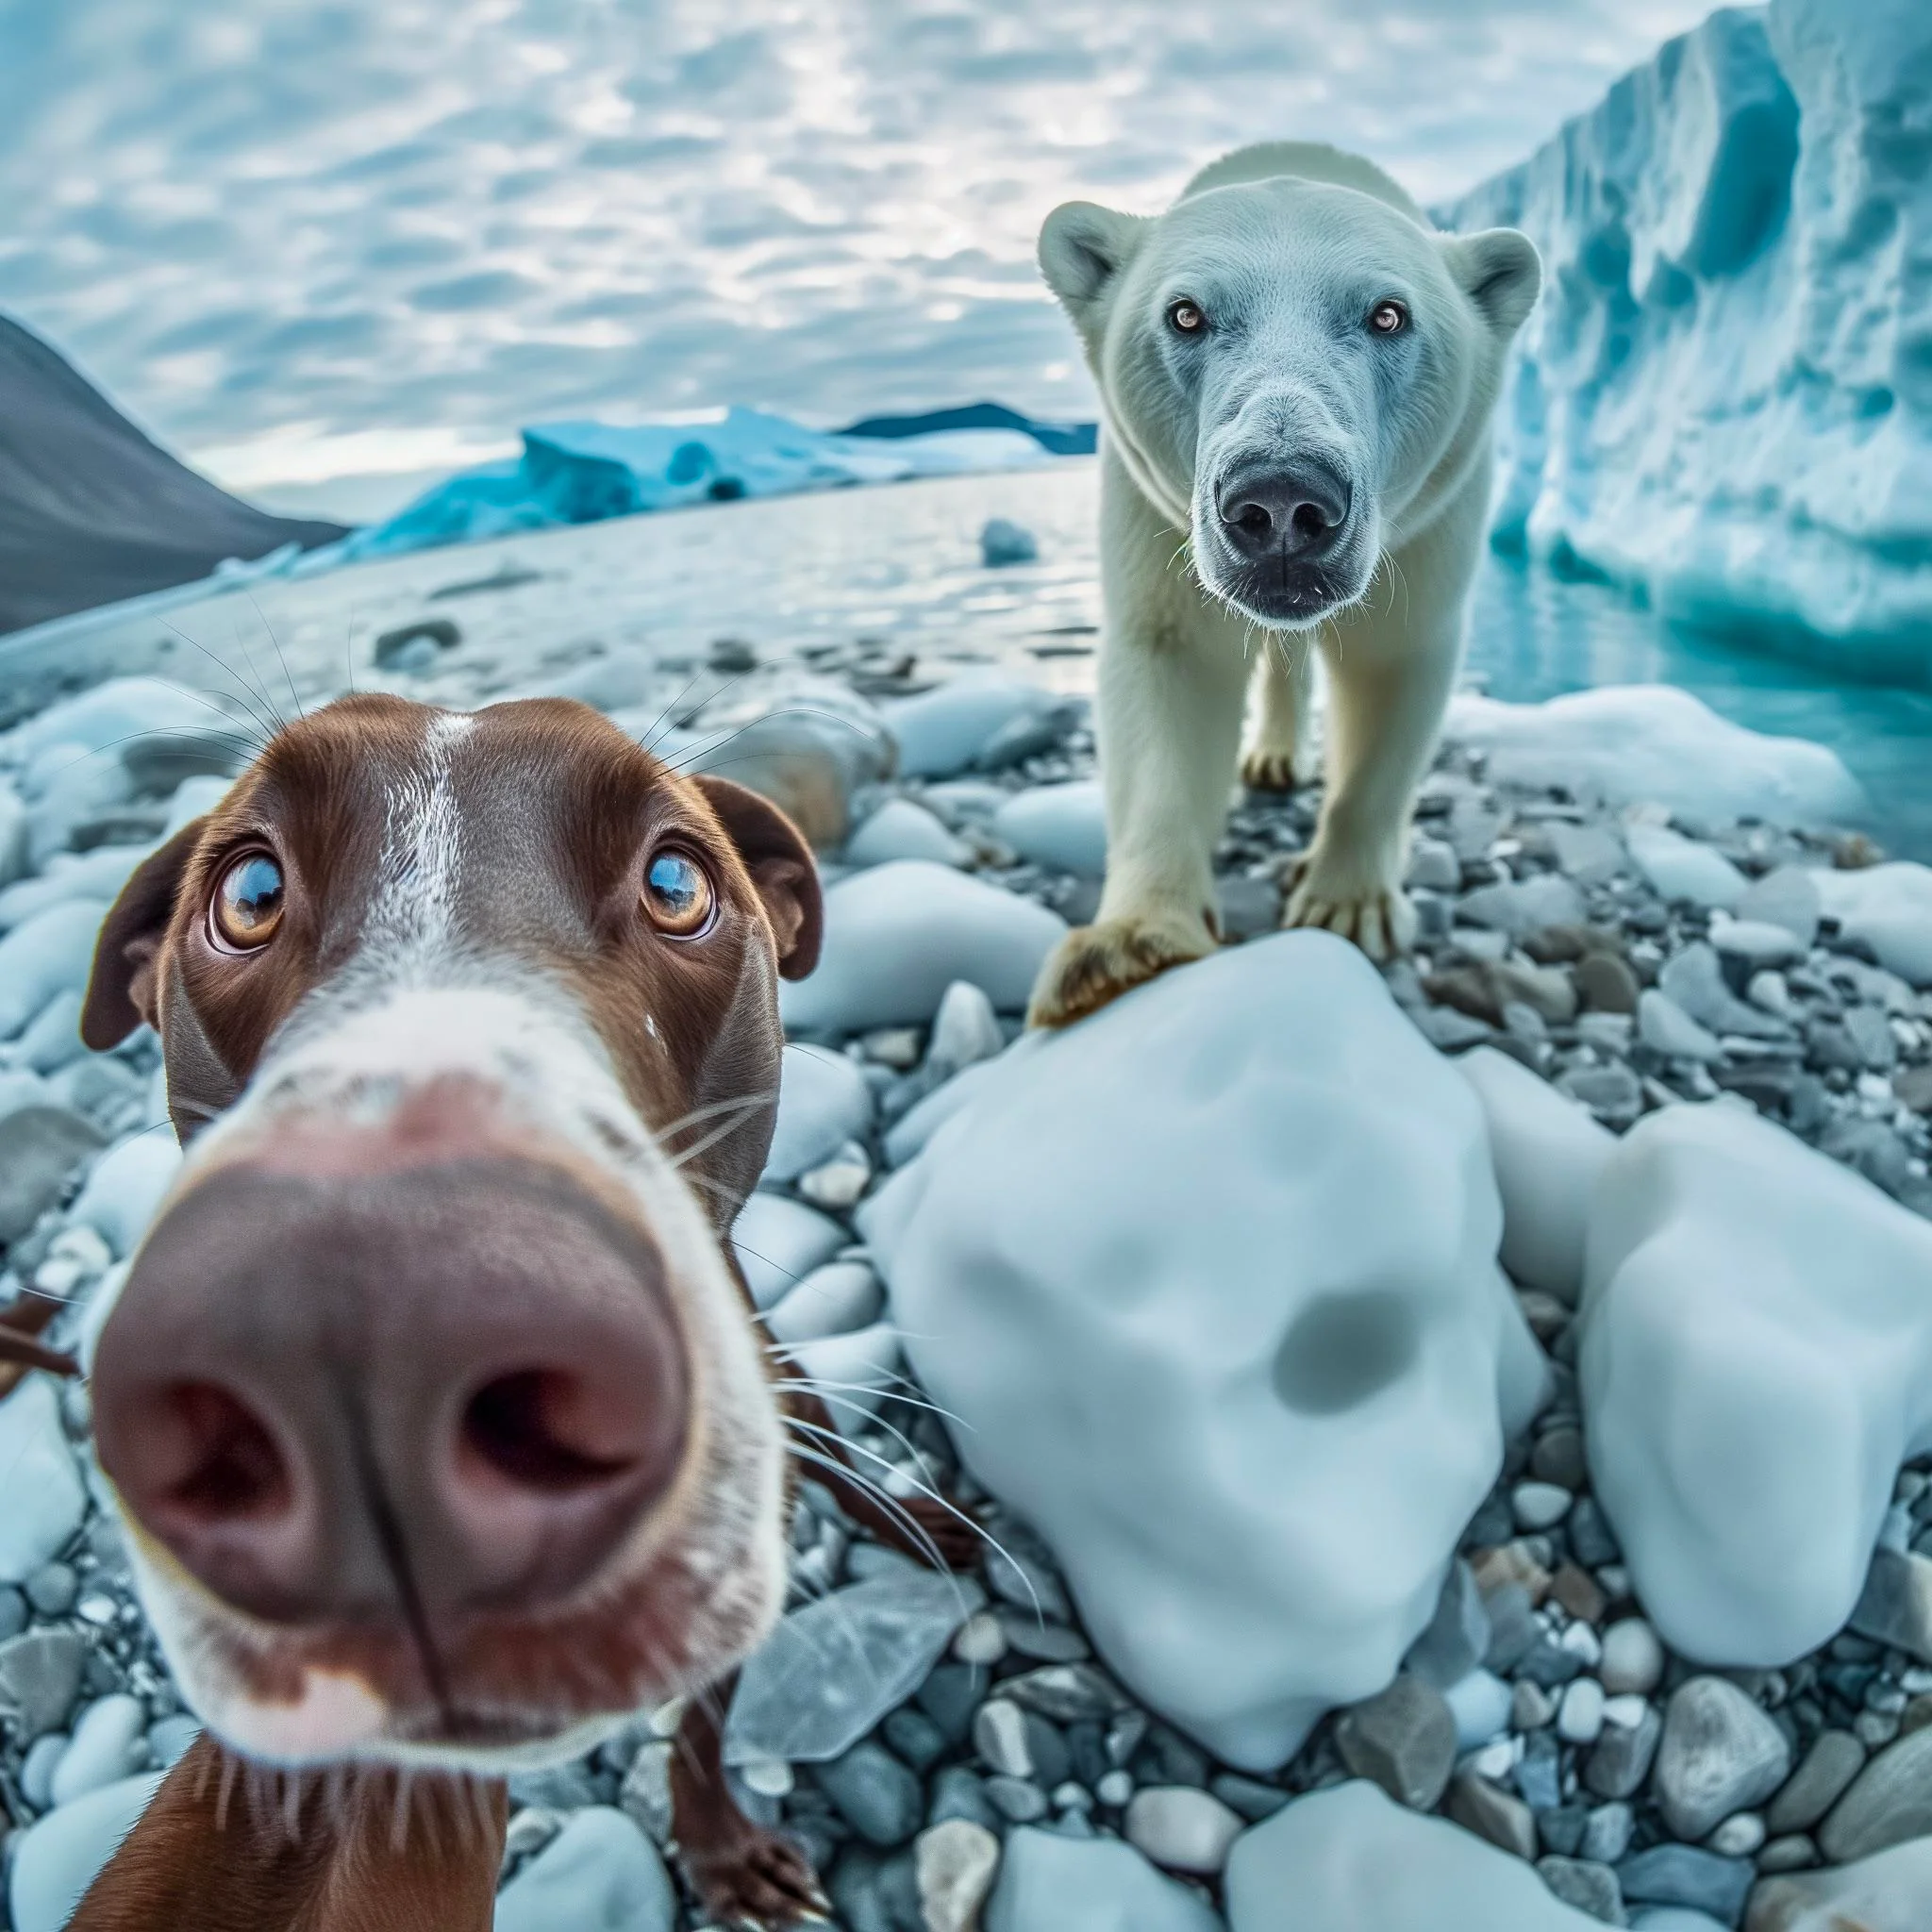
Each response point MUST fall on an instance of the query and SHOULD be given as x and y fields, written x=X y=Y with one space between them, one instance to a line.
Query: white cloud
x=277 y=229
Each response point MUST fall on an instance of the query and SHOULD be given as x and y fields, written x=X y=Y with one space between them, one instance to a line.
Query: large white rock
x=1548 y=1153
x=45 y=1497
x=1155 y=1269
x=59 y=1858
x=1063 y=826
x=49 y=954
x=823 y=1102
x=1756 y=1363
x=1680 y=868
x=898 y=935
x=1052 y=1883
x=110 y=1741
x=1654 y=744
x=1889 y=906
x=1350 y=1860
x=599 y=1874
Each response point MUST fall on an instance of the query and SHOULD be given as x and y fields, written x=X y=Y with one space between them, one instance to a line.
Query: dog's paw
x=1374 y=913
x=1094 y=964
x=1263 y=770
x=758 y=1881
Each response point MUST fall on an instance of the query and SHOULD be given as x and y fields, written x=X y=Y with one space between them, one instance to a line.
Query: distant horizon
x=352 y=247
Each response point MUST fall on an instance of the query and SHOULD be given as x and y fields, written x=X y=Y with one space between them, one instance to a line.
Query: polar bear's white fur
x=1297 y=375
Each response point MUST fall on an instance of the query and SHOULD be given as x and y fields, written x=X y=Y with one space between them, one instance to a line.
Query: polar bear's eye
x=1187 y=315
x=1388 y=318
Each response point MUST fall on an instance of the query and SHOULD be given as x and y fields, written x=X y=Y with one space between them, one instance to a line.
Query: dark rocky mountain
x=91 y=510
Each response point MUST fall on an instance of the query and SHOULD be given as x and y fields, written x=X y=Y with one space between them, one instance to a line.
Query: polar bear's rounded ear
x=1083 y=247
x=1500 y=272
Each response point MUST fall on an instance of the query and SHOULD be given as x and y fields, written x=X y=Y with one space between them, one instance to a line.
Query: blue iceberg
x=584 y=473
x=1724 y=396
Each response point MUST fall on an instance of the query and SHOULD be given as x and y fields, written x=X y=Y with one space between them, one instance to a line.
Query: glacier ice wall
x=1724 y=396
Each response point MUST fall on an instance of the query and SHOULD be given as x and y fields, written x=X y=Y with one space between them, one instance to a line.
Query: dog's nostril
x=547 y=1430
x=213 y=1461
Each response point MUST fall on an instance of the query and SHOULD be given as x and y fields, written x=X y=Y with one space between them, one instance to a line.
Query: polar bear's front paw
x=1267 y=770
x=1094 y=964
x=1373 y=912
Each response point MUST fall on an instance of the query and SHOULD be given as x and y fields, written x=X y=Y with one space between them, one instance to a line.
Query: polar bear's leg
x=1168 y=714
x=1282 y=755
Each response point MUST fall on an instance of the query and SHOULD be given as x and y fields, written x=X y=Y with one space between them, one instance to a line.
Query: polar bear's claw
x=1378 y=919
x=1094 y=964
x=1269 y=771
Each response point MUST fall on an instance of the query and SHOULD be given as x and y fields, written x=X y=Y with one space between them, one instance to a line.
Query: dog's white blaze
x=411 y=916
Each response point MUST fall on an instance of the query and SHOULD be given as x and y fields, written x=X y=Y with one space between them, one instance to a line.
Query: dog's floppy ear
x=781 y=868
x=121 y=989
x=1083 y=247
x=1500 y=272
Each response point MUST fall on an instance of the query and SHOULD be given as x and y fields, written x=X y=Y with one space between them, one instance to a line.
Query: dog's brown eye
x=1188 y=316
x=678 y=894
x=1388 y=318
x=247 y=905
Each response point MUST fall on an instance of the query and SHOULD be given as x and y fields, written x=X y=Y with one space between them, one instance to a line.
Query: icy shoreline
x=1600 y=957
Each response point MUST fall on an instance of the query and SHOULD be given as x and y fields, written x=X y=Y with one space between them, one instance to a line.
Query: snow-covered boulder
x=1352 y=1859
x=1755 y=1362
x=898 y=935
x=1654 y=744
x=1063 y=826
x=51 y=954
x=778 y=1241
x=1152 y=1268
x=1890 y=907
x=1722 y=395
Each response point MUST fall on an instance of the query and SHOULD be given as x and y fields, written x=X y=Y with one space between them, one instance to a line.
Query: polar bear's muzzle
x=1283 y=538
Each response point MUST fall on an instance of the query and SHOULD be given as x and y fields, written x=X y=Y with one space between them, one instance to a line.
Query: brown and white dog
x=434 y=1408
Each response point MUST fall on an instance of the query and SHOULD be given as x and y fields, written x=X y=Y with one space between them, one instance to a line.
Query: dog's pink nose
x=390 y=1395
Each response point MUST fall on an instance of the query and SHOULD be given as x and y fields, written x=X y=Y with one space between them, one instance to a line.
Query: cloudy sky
x=301 y=240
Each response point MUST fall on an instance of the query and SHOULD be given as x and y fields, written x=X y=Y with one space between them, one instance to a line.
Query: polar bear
x=1296 y=376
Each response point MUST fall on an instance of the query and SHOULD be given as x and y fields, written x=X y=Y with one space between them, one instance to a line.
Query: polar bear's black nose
x=1295 y=514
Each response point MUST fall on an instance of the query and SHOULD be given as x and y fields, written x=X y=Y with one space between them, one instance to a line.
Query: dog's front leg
x=1171 y=679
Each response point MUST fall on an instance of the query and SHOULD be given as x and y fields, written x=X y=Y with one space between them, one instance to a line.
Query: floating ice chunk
x=1003 y=541
x=1147 y=1268
x=1652 y=743
x=1063 y=826
x=823 y=1102
x=897 y=936
x=1354 y=1861
x=1755 y=1362
x=1548 y=1153
x=830 y=1671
